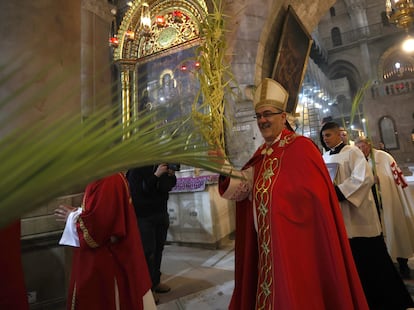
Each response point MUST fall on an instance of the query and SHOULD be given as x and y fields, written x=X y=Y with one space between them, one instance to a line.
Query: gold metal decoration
x=145 y=22
x=137 y=46
x=400 y=13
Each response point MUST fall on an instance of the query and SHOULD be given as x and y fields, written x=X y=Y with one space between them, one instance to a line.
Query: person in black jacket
x=149 y=188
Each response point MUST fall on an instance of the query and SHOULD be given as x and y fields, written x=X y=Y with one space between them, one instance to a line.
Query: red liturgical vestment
x=109 y=270
x=292 y=251
x=13 y=293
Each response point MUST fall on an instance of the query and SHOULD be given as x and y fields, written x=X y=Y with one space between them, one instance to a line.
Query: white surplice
x=397 y=206
x=355 y=179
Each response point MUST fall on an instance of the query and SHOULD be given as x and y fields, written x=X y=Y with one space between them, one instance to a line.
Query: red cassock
x=109 y=267
x=299 y=257
x=12 y=288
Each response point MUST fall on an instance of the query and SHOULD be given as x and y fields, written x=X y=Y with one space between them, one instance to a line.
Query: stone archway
x=255 y=29
x=387 y=61
x=340 y=69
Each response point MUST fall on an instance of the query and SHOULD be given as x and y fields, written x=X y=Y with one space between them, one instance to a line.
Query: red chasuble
x=299 y=257
x=12 y=288
x=109 y=268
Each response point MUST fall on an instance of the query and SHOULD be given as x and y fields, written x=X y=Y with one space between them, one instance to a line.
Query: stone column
x=357 y=13
x=96 y=60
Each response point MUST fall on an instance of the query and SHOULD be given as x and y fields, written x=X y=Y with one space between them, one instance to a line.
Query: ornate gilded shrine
x=149 y=46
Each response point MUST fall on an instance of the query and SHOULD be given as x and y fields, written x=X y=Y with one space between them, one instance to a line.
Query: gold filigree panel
x=173 y=33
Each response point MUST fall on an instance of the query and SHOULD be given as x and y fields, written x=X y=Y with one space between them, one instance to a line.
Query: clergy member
x=396 y=204
x=382 y=284
x=108 y=268
x=291 y=248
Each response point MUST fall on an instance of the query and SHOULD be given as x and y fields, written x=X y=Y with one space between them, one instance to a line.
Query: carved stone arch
x=270 y=23
x=343 y=68
x=336 y=36
x=389 y=57
x=382 y=60
x=388 y=132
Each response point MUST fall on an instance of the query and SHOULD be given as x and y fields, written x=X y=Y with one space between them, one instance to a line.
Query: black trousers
x=382 y=284
x=153 y=231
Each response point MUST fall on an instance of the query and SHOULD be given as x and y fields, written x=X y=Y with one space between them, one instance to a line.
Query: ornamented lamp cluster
x=401 y=14
x=145 y=25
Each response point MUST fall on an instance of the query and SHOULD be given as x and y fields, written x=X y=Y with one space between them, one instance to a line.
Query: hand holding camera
x=174 y=167
x=167 y=168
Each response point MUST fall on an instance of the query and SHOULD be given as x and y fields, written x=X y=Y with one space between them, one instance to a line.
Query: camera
x=174 y=167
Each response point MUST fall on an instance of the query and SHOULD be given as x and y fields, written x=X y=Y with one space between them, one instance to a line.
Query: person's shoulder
x=303 y=147
x=116 y=177
x=301 y=141
x=140 y=170
x=352 y=148
x=383 y=155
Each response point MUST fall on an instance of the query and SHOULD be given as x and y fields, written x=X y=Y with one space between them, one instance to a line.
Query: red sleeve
x=102 y=216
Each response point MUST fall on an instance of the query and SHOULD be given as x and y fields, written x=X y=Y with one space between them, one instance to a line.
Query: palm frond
x=59 y=154
x=357 y=100
x=45 y=158
x=214 y=77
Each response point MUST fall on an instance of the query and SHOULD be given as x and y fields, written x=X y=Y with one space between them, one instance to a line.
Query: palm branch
x=355 y=110
x=357 y=101
x=44 y=159
x=214 y=77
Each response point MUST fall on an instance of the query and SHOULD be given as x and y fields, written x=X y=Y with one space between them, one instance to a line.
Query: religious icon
x=292 y=57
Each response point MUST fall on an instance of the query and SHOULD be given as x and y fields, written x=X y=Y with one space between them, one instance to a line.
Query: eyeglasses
x=266 y=114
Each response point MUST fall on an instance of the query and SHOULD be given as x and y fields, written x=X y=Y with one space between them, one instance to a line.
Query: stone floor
x=202 y=279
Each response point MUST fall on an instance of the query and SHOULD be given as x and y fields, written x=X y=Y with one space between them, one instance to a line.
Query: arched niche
x=388 y=132
x=336 y=36
x=158 y=49
x=345 y=69
x=387 y=70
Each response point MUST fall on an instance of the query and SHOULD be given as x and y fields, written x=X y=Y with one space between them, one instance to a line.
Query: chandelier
x=401 y=14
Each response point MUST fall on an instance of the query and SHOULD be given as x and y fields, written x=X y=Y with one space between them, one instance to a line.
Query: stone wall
x=44 y=41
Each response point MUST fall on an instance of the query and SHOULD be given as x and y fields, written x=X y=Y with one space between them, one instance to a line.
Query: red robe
x=305 y=245
x=102 y=267
x=13 y=293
